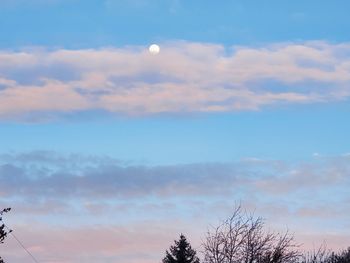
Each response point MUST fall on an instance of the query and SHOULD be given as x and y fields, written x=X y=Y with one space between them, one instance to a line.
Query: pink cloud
x=140 y=242
x=184 y=77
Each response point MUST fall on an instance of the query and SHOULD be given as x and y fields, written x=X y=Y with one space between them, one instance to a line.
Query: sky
x=108 y=153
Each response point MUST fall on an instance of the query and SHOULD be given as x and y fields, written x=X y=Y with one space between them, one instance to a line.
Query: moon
x=154 y=49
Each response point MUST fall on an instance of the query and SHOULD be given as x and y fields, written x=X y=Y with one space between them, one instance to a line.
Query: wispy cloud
x=50 y=175
x=184 y=77
x=46 y=174
x=37 y=175
x=110 y=203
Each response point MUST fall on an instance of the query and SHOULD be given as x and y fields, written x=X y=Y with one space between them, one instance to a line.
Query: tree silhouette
x=3 y=231
x=181 y=252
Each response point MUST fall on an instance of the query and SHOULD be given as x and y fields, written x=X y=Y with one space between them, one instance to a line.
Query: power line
x=21 y=244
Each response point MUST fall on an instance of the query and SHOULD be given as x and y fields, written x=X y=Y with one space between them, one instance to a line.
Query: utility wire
x=21 y=244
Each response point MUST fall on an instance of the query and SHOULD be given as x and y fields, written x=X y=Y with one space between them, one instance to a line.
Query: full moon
x=154 y=49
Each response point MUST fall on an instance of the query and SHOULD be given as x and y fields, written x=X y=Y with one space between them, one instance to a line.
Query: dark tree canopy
x=323 y=255
x=342 y=257
x=181 y=252
x=3 y=231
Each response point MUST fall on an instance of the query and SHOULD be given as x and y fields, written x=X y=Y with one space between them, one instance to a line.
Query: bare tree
x=324 y=255
x=320 y=255
x=242 y=238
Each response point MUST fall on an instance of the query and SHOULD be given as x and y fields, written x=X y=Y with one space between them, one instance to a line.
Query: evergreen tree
x=181 y=252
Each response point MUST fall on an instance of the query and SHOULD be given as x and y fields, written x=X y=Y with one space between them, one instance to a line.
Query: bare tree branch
x=242 y=239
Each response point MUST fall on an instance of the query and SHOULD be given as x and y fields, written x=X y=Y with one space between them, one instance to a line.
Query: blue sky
x=247 y=101
x=288 y=134
x=76 y=23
